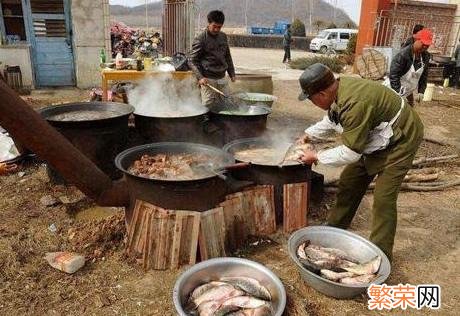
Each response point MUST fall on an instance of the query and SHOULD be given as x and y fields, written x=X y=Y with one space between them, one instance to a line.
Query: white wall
x=90 y=19
x=18 y=55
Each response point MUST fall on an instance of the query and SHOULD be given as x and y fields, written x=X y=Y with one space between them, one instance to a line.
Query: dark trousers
x=456 y=83
x=353 y=184
x=287 y=54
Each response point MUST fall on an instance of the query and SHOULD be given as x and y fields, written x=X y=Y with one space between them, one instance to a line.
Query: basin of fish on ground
x=229 y=286
x=336 y=262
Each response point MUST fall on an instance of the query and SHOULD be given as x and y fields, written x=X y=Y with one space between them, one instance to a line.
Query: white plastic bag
x=8 y=150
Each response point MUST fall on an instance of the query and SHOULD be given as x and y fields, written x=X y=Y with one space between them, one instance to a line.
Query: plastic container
x=428 y=95
x=119 y=61
x=147 y=64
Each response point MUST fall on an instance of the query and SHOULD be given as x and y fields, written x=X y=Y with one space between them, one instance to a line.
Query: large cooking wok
x=267 y=173
x=98 y=129
x=270 y=173
x=239 y=122
x=198 y=194
x=181 y=128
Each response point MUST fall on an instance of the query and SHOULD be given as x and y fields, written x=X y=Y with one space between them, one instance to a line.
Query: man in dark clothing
x=287 y=40
x=411 y=40
x=210 y=59
x=409 y=67
x=457 y=67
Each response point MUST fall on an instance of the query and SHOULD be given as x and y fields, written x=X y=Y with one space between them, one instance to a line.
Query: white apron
x=409 y=82
x=379 y=137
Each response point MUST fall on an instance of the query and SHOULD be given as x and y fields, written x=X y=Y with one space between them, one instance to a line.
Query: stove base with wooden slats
x=166 y=239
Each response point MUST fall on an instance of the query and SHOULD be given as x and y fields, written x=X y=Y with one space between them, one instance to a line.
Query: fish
x=340 y=254
x=244 y=302
x=226 y=310
x=359 y=280
x=251 y=286
x=334 y=276
x=209 y=308
x=265 y=310
x=336 y=265
x=310 y=266
x=301 y=250
x=217 y=293
x=204 y=288
x=315 y=253
x=366 y=268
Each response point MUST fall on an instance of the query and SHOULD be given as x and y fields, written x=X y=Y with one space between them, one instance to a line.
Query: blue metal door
x=52 y=43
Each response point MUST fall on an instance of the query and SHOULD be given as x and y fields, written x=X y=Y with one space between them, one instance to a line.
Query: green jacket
x=361 y=106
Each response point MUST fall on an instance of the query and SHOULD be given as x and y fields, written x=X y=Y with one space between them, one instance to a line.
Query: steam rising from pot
x=164 y=96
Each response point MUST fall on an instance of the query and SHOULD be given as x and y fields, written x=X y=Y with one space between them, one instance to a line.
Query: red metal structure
x=390 y=22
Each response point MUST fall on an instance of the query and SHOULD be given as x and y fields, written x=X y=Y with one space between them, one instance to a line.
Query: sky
x=352 y=7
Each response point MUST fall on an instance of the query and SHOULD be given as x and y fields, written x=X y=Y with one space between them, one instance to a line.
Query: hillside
x=260 y=12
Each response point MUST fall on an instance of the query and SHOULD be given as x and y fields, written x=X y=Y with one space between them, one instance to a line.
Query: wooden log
x=295 y=206
x=425 y=160
x=431 y=170
x=421 y=177
x=212 y=234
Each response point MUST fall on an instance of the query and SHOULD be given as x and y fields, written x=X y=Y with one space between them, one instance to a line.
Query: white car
x=336 y=39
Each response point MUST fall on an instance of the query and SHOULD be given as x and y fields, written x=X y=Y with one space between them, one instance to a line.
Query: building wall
x=90 y=19
x=18 y=55
x=456 y=37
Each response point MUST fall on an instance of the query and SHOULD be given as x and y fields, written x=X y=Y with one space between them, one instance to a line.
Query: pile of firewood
x=422 y=177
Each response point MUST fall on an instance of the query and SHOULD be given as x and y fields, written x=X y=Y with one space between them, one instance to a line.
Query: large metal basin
x=214 y=269
x=356 y=246
x=257 y=98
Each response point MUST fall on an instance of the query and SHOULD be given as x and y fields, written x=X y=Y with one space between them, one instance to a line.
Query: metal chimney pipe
x=27 y=127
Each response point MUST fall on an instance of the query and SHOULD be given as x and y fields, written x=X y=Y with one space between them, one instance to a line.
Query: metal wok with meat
x=182 y=166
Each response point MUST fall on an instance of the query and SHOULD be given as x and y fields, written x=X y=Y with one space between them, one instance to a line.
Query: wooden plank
x=134 y=228
x=178 y=231
x=236 y=230
x=189 y=239
x=295 y=206
x=145 y=224
x=264 y=210
x=164 y=239
x=147 y=245
x=212 y=234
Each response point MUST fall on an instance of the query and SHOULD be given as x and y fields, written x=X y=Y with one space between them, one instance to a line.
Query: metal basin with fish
x=354 y=245
x=217 y=268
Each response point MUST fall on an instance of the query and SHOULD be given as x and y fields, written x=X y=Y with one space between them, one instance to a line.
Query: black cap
x=315 y=78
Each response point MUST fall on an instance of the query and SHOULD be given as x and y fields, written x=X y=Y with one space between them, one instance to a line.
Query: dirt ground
x=426 y=248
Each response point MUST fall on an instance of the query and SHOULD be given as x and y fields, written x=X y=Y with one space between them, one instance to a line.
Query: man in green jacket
x=380 y=135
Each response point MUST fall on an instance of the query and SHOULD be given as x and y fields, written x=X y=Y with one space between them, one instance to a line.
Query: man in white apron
x=409 y=67
x=380 y=136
